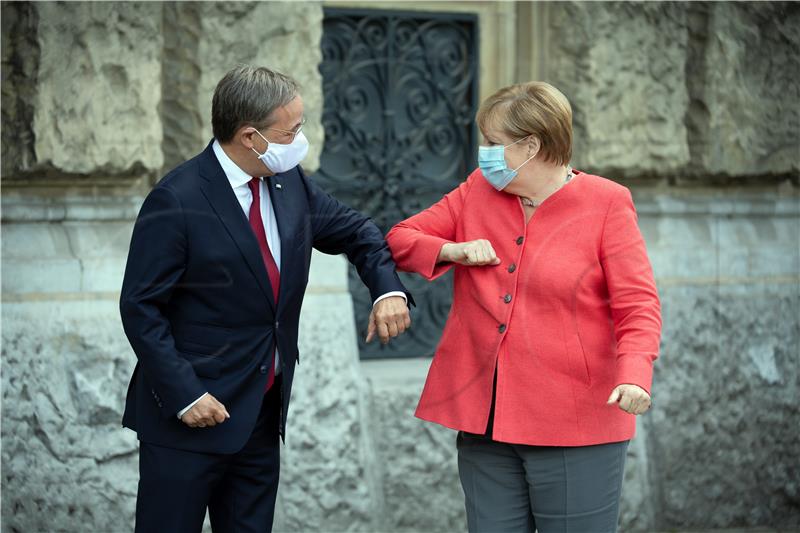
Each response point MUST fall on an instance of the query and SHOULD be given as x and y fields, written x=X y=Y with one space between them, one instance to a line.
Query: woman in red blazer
x=548 y=351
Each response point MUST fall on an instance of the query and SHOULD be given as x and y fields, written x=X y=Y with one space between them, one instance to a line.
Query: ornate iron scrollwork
x=400 y=98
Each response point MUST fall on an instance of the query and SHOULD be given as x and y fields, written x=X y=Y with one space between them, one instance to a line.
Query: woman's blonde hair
x=532 y=108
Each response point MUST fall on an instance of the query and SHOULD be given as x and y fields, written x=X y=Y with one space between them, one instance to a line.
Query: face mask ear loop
x=531 y=157
x=265 y=140
x=523 y=163
x=516 y=142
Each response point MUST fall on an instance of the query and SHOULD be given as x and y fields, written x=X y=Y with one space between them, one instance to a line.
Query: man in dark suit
x=211 y=299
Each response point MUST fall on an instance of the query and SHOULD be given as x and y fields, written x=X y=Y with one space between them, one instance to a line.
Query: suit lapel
x=280 y=197
x=217 y=190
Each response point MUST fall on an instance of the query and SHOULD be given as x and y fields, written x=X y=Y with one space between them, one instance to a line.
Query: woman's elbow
x=396 y=237
x=398 y=240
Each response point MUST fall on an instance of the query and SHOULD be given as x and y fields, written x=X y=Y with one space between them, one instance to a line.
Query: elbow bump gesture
x=471 y=253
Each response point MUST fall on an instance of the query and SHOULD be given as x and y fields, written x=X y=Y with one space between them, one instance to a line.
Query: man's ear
x=246 y=137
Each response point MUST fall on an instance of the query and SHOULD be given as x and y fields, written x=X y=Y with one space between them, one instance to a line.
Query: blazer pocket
x=206 y=366
x=184 y=345
x=579 y=366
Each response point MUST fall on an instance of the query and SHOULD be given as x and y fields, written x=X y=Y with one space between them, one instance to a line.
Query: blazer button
x=502 y=328
x=264 y=369
x=507 y=299
x=277 y=324
x=512 y=267
x=519 y=240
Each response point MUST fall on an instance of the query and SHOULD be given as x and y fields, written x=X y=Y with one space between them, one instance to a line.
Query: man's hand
x=632 y=398
x=389 y=318
x=471 y=253
x=208 y=412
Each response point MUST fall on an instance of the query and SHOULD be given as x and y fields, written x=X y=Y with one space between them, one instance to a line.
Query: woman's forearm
x=445 y=254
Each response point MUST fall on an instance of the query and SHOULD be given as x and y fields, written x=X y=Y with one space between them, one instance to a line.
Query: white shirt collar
x=236 y=176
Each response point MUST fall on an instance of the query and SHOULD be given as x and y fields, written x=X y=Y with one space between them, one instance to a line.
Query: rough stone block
x=98 y=87
x=184 y=122
x=622 y=67
x=64 y=258
x=67 y=463
x=745 y=82
x=698 y=90
x=20 y=56
x=328 y=473
x=723 y=431
x=417 y=459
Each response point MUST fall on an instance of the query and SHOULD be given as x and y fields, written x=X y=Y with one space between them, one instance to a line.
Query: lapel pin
x=278 y=186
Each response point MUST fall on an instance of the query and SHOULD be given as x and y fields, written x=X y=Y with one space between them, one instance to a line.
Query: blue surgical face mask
x=492 y=161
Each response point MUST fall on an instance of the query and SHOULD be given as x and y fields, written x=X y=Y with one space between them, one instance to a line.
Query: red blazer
x=571 y=312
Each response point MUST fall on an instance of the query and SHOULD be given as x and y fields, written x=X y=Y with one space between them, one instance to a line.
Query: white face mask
x=282 y=157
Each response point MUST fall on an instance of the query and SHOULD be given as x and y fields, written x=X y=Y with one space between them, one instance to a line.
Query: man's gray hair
x=247 y=96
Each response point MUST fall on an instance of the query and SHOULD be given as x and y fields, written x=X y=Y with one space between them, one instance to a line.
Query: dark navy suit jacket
x=197 y=306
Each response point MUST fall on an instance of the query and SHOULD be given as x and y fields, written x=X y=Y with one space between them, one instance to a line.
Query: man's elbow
x=133 y=313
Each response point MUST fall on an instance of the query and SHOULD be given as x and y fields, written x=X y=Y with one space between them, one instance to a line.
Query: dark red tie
x=257 y=224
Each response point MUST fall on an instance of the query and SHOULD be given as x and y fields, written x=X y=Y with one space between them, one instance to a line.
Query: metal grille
x=400 y=98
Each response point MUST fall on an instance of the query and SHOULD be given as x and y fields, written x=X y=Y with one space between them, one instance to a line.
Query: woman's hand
x=632 y=398
x=471 y=253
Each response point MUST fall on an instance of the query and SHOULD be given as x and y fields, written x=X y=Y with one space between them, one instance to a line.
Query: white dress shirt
x=239 y=179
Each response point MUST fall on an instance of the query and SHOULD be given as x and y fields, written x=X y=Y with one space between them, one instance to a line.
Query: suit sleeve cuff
x=390 y=295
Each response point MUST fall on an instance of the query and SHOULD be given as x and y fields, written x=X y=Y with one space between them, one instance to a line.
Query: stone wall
x=690 y=91
x=726 y=386
x=98 y=99
x=692 y=105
